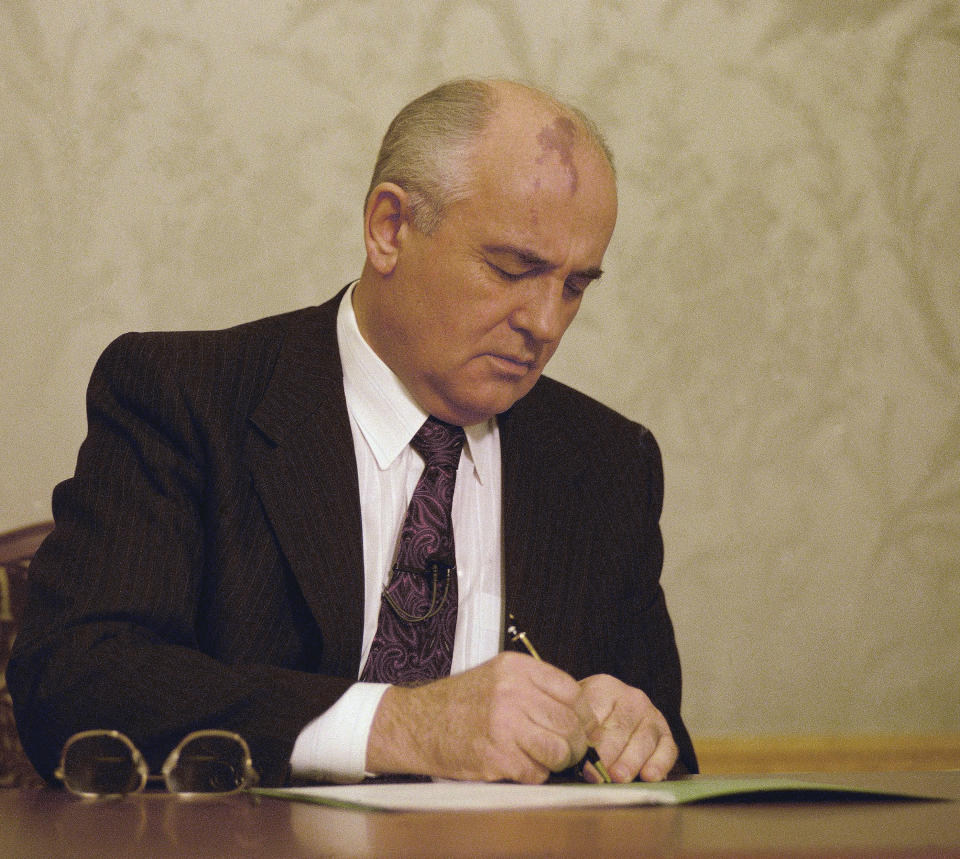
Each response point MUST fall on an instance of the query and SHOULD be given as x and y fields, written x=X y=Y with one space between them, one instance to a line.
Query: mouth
x=512 y=365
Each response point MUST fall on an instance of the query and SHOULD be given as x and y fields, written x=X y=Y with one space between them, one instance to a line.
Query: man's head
x=489 y=212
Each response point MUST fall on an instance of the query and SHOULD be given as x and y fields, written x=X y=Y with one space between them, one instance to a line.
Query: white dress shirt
x=383 y=420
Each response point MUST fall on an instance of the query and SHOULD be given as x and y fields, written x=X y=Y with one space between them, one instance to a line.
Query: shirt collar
x=385 y=412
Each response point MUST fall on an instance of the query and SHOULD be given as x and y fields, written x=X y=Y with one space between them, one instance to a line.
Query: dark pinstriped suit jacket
x=206 y=567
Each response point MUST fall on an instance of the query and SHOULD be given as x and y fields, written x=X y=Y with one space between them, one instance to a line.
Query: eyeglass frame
x=250 y=775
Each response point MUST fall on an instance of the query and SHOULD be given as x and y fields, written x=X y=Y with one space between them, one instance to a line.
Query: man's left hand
x=631 y=736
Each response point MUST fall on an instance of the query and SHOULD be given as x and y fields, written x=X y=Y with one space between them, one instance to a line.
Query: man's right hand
x=511 y=718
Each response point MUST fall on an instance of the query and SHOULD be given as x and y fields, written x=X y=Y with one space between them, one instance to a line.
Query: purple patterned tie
x=418 y=611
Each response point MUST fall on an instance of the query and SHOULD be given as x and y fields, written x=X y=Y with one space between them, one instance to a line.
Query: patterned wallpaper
x=780 y=305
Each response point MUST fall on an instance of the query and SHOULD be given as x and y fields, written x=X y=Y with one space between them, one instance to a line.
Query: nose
x=544 y=312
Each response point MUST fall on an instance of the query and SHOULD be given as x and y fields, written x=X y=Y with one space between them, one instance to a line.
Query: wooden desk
x=47 y=823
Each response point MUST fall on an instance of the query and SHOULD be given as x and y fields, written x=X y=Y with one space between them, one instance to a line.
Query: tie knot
x=439 y=443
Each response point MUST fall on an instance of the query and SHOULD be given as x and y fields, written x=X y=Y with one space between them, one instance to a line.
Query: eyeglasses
x=106 y=763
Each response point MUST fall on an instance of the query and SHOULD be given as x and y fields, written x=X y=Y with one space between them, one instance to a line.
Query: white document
x=472 y=796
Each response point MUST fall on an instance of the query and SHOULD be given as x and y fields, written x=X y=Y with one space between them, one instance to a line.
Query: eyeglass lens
x=101 y=765
x=208 y=764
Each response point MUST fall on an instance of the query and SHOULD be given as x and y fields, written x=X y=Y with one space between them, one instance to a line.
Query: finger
x=551 y=750
x=513 y=764
x=659 y=764
x=560 y=715
x=556 y=717
x=539 y=692
x=525 y=715
x=525 y=770
x=588 y=718
x=649 y=752
x=551 y=733
x=552 y=681
x=589 y=772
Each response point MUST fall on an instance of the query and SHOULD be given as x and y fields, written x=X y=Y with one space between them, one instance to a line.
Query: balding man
x=237 y=543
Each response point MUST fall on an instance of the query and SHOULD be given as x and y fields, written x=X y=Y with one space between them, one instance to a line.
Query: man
x=220 y=554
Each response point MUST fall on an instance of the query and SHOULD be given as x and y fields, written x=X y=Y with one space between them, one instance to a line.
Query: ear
x=385 y=219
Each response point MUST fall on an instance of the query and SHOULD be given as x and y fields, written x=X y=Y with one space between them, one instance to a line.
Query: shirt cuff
x=333 y=747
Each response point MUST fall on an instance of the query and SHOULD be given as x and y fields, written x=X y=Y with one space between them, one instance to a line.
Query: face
x=470 y=314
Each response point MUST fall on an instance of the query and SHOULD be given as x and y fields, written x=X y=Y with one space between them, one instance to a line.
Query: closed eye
x=508 y=275
x=576 y=285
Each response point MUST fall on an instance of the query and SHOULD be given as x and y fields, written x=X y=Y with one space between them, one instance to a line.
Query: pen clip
x=516 y=635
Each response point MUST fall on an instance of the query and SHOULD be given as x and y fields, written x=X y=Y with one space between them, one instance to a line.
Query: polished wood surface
x=46 y=823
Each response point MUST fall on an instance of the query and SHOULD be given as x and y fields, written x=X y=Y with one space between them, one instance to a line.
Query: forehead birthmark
x=560 y=138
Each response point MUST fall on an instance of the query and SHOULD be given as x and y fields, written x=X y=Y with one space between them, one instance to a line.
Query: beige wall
x=781 y=303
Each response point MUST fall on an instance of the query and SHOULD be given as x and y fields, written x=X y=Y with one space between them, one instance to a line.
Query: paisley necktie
x=418 y=608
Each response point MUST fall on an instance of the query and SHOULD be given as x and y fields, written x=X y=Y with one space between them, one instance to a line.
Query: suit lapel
x=303 y=465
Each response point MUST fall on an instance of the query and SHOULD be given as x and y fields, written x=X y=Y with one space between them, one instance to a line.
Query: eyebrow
x=534 y=260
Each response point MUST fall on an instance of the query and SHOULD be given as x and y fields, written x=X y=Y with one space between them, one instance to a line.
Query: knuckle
x=508 y=661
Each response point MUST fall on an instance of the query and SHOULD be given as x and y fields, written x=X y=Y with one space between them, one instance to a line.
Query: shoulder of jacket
x=557 y=403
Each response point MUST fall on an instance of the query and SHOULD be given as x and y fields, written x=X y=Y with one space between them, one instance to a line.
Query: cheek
x=462 y=310
x=474 y=324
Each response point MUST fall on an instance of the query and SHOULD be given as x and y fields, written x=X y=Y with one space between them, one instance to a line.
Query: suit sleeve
x=117 y=633
x=647 y=647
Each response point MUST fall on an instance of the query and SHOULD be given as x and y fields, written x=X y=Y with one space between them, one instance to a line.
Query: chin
x=478 y=402
x=467 y=413
x=496 y=405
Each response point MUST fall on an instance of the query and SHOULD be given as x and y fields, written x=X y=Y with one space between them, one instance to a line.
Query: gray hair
x=426 y=147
